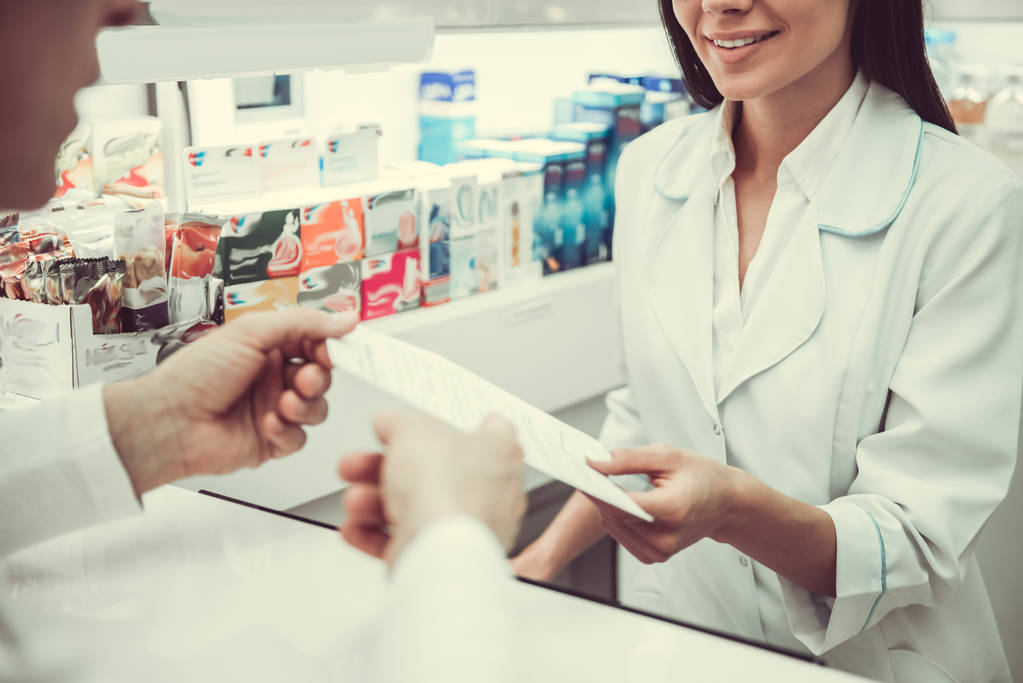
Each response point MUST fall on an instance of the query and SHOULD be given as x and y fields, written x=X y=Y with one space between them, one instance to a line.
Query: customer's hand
x=429 y=471
x=236 y=398
x=693 y=498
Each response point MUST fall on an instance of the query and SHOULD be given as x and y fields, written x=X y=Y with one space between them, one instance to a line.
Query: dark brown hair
x=887 y=45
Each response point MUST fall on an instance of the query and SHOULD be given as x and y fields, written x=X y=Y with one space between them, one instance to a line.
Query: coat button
x=744 y=561
x=717 y=430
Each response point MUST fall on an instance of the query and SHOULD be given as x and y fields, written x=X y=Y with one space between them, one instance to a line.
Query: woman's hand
x=693 y=498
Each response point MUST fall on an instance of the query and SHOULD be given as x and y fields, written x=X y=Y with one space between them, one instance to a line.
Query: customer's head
x=796 y=40
x=47 y=53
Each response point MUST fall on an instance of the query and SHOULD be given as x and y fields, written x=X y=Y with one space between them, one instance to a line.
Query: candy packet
x=34 y=283
x=105 y=297
x=139 y=239
x=192 y=264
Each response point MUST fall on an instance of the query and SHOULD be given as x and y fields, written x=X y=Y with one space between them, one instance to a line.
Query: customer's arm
x=236 y=398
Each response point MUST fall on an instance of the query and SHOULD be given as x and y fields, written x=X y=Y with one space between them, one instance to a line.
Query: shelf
x=553 y=343
x=148 y=54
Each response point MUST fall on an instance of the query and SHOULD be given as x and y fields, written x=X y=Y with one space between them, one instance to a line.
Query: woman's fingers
x=650 y=460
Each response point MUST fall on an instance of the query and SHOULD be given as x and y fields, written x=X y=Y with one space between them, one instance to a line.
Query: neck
x=770 y=127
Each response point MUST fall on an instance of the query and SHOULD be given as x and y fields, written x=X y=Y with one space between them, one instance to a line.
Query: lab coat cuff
x=820 y=622
x=109 y=493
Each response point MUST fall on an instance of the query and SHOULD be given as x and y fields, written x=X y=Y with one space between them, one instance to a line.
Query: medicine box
x=390 y=283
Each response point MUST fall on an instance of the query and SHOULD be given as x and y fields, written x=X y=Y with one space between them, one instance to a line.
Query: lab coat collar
x=865 y=189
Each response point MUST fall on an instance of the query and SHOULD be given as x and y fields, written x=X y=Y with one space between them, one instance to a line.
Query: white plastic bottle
x=968 y=102
x=1004 y=120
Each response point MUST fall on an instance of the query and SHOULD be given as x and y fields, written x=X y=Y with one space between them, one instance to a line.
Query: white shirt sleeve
x=59 y=470
x=447 y=616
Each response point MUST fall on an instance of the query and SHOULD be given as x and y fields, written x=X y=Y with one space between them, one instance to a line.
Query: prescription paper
x=460 y=398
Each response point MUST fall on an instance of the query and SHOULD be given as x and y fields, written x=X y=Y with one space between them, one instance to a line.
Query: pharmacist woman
x=822 y=307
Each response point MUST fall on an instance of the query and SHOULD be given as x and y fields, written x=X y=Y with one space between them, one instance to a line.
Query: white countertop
x=201 y=589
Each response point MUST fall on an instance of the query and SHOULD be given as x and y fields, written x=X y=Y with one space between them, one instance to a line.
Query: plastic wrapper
x=105 y=298
x=91 y=232
x=179 y=335
x=192 y=265
x=54 y=290
x=11 y=275
x=140 y=240
x=9 y=232
x=34 y=283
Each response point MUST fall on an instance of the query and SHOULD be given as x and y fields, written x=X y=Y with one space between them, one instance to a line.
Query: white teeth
x=742 y=42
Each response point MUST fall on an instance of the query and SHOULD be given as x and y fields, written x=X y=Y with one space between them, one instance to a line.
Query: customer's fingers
x=363 y=504
x=361 y=468
x=309 y=380
x=301 y=412
x=370 y=540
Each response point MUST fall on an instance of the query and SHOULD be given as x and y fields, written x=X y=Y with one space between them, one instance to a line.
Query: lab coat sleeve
x=447 y=617
x=927 y=483
x=59 y=471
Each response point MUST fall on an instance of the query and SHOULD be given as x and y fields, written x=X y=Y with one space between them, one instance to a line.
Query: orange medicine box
x=332 y=233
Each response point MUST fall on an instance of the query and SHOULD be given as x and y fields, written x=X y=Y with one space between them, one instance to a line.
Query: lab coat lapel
x=681 y=288
x=788 y=311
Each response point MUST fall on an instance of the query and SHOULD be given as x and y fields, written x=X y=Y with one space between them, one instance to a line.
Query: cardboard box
x=390 y=283
x=45 y=350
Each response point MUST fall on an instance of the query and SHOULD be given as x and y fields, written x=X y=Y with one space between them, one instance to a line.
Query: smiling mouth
x=743 y=42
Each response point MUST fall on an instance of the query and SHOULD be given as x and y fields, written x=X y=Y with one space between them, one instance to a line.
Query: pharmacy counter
x=202 y=589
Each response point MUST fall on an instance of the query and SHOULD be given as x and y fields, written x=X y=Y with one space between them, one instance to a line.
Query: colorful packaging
x=351 y=157
x=139 y=240
x=34 y=283
x=520 y=200
x=615 y=105
x=446 y=113
x=659 y=107
x=288 y=164
x=260 y=246
x=332 y=233
x=596 y=202
x=105 y=298
x=390 y=283
x=435 y=241
x=9 y=232
x=573 y=213
x=219 y=174
x=390 y=218
x=127 y=158
x=486 y=202
x=548 y=238
x=192 y=264
x=268 y=295
x=13 y=262
x=332 y=288
x=464 y=279
x=73 y=167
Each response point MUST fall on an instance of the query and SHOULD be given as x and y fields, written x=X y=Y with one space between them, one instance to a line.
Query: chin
x=744 y=88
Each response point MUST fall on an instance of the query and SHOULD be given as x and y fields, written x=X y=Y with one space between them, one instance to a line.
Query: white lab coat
x=879 y=377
